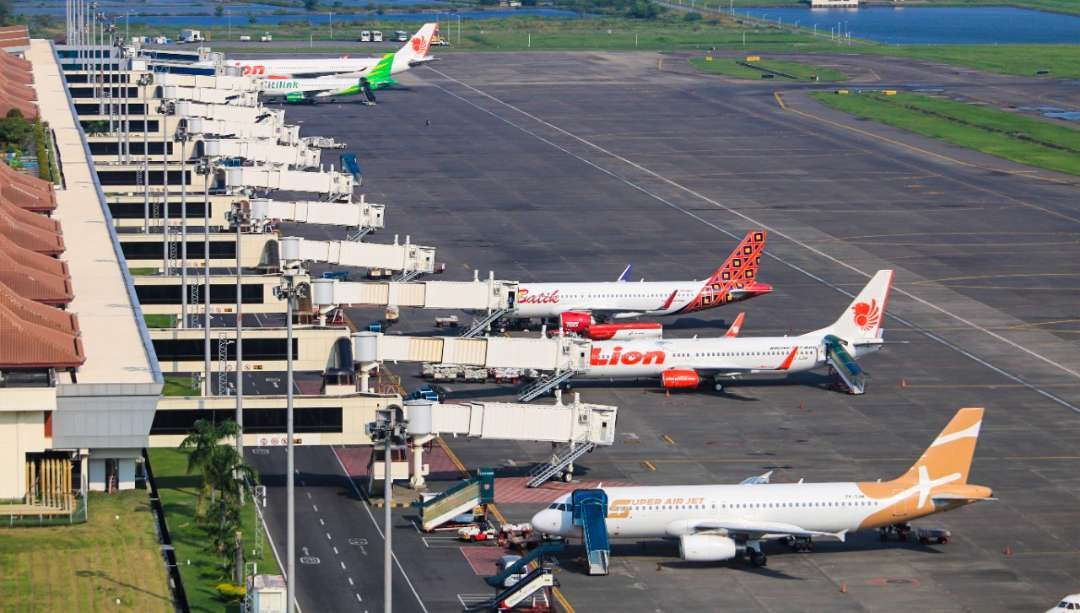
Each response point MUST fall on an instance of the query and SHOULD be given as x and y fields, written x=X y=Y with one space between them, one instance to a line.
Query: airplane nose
x=546 y=521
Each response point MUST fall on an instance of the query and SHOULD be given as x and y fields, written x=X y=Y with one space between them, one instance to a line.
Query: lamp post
x=290 y=292
x=238 y=217
x=205 y=169
x=387 y=429
x=145 y=80
x=181 y=139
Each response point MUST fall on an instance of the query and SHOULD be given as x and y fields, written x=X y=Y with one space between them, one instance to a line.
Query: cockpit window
x=564 y=507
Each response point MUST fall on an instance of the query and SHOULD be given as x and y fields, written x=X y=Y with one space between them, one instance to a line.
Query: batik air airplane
x=683 y=363
x=715 y=523
x=578 y=304
x=413 y=53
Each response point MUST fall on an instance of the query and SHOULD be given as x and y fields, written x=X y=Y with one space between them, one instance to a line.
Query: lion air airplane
x=413 y=53
x=576 y=303
x=682 y=363
x=715 y=523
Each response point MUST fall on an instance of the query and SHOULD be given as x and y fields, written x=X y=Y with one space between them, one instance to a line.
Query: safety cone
x=1007 y=551
x=667 y=393
x=903 y=382
x=843 y=587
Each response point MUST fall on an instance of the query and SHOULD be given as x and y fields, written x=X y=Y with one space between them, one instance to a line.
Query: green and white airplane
x=307 y=91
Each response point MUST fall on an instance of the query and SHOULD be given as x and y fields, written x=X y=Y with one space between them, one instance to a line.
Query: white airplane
x=715 y=523
x=684 y=362
x=576 y=303
x=411 y=54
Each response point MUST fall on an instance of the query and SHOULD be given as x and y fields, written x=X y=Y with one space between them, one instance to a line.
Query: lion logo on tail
x=867 y=315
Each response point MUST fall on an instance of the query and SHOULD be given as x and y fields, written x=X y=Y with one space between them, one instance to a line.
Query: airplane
x=576 y=304
x=684 y=362
x=413 y=53
x=300 y=91
x=716 y=523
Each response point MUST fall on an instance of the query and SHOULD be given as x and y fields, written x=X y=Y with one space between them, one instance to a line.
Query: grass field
x=110 y=563
x=159 y=321
x=732 y=68
x=180 y=385
x=178 y=492
x=1062 y=61
x=1007 y=135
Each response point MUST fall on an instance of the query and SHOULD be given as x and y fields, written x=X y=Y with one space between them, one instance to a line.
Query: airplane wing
x=748 y=528
x=758 y=479
x=423 y=60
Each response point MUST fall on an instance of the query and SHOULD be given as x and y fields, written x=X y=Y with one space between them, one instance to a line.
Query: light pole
x=289 y=292
x=166 y=264
x=204 y=168
x=385 y=429
x=145 y=80
x=181 y=139
x=238 y=218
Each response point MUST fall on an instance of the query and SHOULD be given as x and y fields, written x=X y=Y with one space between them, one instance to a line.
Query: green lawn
x=1007 y=135
x=159 y=321
x=198 y=567
x=732 y=68
x=112 y=562
x=1062 y=61
x=181 y=385
x=140 y=272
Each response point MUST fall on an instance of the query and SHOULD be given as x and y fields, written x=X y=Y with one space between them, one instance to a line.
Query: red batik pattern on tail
x=739 y=271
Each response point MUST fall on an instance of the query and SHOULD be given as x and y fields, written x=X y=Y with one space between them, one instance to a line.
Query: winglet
x=625 y=276
x=736 y=326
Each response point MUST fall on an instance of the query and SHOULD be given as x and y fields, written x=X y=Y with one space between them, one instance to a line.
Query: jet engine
x=575 y=322
x=625 y=331
x=679 y=378
x=707 y=548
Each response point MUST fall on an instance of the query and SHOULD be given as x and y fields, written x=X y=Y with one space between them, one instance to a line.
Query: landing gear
x=902 y=532
x=718 y=386
x=757 y=557
x=801 y=544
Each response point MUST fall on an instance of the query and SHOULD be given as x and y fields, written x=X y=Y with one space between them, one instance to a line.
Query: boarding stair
x=351 y=165
x=844 y=365
x=479 y=325
x=590 y=512
x=538 y=554
x=357 y=234
x=561 y=459
x=545 y=384
x=458 y=500
x=539 y=579
x=408 y=275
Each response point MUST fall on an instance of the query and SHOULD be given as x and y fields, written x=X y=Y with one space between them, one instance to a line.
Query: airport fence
x=16 y=513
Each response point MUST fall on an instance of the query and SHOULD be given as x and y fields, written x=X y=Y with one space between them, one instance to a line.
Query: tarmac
x=568 y=166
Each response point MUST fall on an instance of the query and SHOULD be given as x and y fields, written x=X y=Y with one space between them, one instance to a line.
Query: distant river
x=926 y=25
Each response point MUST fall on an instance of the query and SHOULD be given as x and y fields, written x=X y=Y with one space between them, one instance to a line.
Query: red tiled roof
x=35 y=239
x=26 y=192
x=33 y=275
x=35 y=312
x=14 y=36
x=28 y=344
x=29 y=218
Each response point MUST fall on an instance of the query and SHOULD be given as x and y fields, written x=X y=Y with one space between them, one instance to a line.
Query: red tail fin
x=736 y=279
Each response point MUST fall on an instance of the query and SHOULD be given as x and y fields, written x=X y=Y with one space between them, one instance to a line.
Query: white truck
x=376 y=36
x=191 y=36
x=365 y=36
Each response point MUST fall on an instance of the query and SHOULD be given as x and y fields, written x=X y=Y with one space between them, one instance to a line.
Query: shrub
x=231 y=592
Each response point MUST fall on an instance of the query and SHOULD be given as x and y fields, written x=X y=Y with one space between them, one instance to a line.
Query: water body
x=927 y=25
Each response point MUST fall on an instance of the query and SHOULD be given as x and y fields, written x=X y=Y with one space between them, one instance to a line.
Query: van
x=506 y=562
x=365 y=36
x=376 y=36
x=401 y=36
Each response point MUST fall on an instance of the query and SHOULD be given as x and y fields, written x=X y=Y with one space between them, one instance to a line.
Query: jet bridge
x=210 y=95
x=228 y=113
x=334 y=184
x=578 y=423
x=220 y=82
x=488 y=295
x=263 y=152
x=406 y=257
x=283 y=134
x=363 y=215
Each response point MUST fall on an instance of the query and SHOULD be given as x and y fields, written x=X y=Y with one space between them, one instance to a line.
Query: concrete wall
x=21 y=432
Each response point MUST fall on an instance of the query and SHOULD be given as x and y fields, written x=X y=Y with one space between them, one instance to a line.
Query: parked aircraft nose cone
x=547 y=521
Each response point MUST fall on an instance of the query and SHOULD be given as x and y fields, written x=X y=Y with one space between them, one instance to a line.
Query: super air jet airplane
x=308 y=91
x=684 y=362
x=578 y=305
x=715 y=523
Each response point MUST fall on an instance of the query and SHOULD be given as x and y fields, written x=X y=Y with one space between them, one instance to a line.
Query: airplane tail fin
x=379 y=75
x=417 y=48
x=861 y=320
x=736 y=279
x=951 y=452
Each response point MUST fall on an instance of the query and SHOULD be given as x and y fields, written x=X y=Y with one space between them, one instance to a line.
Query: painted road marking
x=737 y=213
x=328 y=536
x=335 y=551
x=359 y=496
x=321 y=522
x=342 y=565
x=315 y=507
x=358 y=598
x=649 y=465
x=667 y=439
x=350 y=581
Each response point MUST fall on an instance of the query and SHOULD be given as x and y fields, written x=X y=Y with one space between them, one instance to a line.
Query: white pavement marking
x=771 y=229
x=315 y=507
x=342 y=565
x=350 y=581
x=335 y=551
x=358 y=598
x=308 y=494
x=321 y=522
x=356 y=491
x=328 y=536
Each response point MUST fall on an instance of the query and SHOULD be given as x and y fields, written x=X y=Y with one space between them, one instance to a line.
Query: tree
x=311 y=5
x=204 y=443
x=219 y=10
x=643 y=9
x=6 y=13
x=692 y=16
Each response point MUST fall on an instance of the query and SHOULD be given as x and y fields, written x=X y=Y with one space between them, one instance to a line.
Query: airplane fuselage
x=644 y=297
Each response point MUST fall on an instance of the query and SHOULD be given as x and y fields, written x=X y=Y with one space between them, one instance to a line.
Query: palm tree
x=204 y=443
